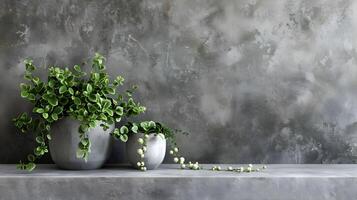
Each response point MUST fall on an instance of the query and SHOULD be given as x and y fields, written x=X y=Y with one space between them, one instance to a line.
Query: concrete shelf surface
x=282 y=181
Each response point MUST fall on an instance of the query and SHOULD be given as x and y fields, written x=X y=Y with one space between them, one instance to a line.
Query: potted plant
x=73 y=113
x=146 y=143
x=146 y=147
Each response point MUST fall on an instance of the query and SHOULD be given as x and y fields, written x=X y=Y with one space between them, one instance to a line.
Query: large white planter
x=64 y=144
x=155 y=154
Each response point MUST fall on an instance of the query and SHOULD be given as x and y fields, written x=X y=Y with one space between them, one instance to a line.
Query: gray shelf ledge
x=284 y=182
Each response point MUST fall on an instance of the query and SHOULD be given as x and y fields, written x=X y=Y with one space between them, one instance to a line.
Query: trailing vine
x=178 y=158
x=141 y=151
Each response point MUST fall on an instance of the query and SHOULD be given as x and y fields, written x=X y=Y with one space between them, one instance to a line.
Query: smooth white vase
x=155 y=154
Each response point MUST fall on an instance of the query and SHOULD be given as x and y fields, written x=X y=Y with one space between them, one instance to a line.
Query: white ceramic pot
x=64 y=144
x=155 y=154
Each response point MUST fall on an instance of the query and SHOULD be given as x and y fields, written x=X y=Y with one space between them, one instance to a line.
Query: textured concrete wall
x=270 y=81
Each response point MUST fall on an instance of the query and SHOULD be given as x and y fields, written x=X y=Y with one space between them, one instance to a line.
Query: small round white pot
x=155 y=154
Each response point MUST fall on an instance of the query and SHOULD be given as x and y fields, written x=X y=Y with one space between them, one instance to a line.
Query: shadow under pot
x=64 y=144
x=155 y=153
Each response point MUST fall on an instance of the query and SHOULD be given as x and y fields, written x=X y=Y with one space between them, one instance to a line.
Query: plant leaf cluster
x=147 y=127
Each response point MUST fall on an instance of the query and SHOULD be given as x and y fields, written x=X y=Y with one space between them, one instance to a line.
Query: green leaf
x=23 y=86
x=119 y=80
x=52 y=100
x=40 y=150
x=24 y=94
x=110 y=91
x=58 y=110
x=124 y=130
x=115 y=102
x=28 y=76
x=85 y=141
x=106 y=104
x=144 y=125
x=116 y=131
x=60 y=77
x=64 y=101
x=98 y=62
x=46 y=96
x=102 y=116
x=62 y=89
x=135 y=129
x=151 y=124
x=39 y=87
x=80 y=117
x=36 y=80
x=110 y=112
x=83 y=128
x=45 y=115
x=89 y=88
x=80 y=153
x=92 y=108
x=29 y=66
x=51 y=83
x=119 y=110
x=129 y=93
x=77 y=68
x=31 y=158
x=30 y=166
x=20 y=166
x=71 y=91
x=123 y=138
x=31 y=97
x=95 y=77
x=39 y=139
x=40 y=110
x=54 y=116
x=92 y=98
x=93 y=124
x=83 y=112
x=77 y=101
x=70 y=80
x=98 y=98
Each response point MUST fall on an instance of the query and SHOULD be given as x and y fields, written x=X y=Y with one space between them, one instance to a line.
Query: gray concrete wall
x=272 y=81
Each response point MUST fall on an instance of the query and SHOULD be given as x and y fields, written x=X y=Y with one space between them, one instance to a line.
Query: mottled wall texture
x=253 y=81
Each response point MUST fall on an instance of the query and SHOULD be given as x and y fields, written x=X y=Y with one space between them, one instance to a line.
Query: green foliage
x=89 y=98
x=147 y=127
